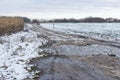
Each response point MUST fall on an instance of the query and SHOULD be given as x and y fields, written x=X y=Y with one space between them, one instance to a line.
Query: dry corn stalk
x=10 y=25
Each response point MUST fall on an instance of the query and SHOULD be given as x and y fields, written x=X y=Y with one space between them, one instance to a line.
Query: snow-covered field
x=108 y=31
x=16 y=51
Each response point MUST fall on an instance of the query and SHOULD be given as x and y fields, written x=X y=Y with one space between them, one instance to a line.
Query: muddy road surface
x=76 y=57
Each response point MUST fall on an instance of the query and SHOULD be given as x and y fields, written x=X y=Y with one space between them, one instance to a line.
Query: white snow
x=16 y=51
x=84 y=50
x=107 y=31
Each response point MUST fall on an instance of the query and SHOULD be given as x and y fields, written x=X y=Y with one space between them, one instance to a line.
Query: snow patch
x=16 y=51
x=106 y=31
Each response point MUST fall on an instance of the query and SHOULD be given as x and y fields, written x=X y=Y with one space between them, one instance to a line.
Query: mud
x=108 y=64
x=61 y=67
x=76 y=57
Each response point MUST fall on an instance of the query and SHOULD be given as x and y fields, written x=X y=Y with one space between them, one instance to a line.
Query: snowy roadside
x=16 y=51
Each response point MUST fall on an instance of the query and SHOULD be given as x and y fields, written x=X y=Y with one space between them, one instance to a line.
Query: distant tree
x=26 y=20
x=36 y=21
x=85 y=20
x=94 y=19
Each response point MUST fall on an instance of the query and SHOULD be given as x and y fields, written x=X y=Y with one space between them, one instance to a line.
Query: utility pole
x=53 y=24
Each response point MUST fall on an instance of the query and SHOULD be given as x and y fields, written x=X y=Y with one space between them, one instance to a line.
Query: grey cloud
x=59 y=7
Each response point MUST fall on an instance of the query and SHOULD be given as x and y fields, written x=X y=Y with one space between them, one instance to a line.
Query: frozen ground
x=88 y=50
x=63 y=68
x=38 y=53
x=16 y=51
x=107 y=31
x=98 y=59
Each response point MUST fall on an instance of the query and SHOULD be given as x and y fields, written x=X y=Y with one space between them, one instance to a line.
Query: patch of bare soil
x=61 y=67
x=110 y=65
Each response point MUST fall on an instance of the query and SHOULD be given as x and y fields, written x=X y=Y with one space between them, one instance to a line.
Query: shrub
x=26 y=20
x=36 y=21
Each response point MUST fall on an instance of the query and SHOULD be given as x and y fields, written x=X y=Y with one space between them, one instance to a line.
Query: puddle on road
x=84 y=50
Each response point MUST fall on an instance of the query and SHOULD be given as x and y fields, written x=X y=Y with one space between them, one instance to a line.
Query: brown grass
x=10 y=25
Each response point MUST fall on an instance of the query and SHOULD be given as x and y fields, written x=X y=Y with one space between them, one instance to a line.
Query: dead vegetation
x=108 y=64
x=10 y=25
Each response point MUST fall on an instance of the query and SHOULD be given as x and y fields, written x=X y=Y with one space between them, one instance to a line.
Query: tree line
x=72 y=20
x=87 y=20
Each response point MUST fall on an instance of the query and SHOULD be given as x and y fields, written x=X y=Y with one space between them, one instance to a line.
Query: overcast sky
x=60 y=8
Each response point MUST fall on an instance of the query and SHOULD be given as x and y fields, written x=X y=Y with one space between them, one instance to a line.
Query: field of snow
x=16 y=51
x=108 y=31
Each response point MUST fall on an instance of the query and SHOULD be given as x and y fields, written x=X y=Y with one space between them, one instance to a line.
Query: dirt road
x=76 y=57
